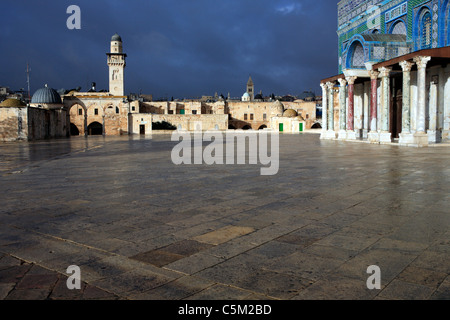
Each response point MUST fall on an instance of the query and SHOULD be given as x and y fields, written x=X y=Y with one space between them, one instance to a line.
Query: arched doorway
x=316 y=126
x=262 y=127
x=246 y=127
x=74 y=130
x=95 y=129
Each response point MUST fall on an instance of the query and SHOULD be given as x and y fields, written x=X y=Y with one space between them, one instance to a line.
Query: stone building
x=113 y=113
x=394 y=79
x=103 y=113
x=45 y=117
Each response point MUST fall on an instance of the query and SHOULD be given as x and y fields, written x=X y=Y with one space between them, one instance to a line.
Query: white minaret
x=116 y=63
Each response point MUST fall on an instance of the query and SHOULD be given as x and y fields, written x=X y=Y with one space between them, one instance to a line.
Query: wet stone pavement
x=140 y=227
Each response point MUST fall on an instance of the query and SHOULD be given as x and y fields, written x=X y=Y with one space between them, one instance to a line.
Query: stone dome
x=116 y=37
x=290 y=113
x=277 y=108
x=11 y=102
x=46 y=95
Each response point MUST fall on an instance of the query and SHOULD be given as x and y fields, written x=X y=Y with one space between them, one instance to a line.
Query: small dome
x=46 y=95
x=277 y=108
x=290 y=113
x=116 y=37
x=246 y=97
x=12 y=103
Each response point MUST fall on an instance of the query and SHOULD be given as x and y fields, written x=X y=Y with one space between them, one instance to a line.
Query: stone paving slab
x=140 y=227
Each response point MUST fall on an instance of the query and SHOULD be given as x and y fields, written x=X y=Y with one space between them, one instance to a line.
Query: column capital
x=421 y=61
x=384 y=72
x=330 y=85
x=342 y=82
x=374 y=74
x=351 y=80
x=406 y=65
x=323 y=85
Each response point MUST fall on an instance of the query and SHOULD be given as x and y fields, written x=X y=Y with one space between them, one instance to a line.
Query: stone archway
x=74 y=131
x=262 y=127
x=77 y=115
x=95 y=129
x=247 y=127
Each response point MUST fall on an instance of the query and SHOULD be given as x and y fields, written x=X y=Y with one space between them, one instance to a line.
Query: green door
x=181 y=111
x=300 y=126
x=280 y=127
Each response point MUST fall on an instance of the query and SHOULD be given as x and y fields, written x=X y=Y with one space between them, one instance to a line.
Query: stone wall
x=44 y=124
x=29 y=123
x=187 y=121
x=13 y=124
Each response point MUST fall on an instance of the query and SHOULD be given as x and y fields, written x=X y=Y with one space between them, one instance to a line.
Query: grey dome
x=46 y=95
x=116 y=37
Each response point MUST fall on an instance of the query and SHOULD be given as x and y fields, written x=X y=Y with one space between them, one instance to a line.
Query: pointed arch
x=355 y=55
x=423 y=29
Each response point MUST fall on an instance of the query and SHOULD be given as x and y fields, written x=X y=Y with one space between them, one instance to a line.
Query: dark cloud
x=175 y=48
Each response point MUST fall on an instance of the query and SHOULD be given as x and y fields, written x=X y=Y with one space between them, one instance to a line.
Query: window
x=425 y=31
x=194 y=111
x=358 y=56
x=117 y=109
x=245 y=116
x=133 y=108
x=80 y=112
x=264 y=116
x=251 y=116
x=96 y=111
x=170 y=111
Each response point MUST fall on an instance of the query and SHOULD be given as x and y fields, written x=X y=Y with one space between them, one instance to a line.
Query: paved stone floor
x=140 y=227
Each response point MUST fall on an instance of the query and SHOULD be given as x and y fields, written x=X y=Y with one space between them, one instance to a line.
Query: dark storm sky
x=180 y=48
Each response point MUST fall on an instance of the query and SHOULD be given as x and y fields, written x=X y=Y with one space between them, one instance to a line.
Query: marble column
x=405 y=137
x=373 y=135
x=385 y=135
x=85 y=127
x=330 y=133
x=342 y=135
x=324 y=110
x=420 y=137
x=432 y=125
x=330 y=86
x=351 y=108
x=366 y=103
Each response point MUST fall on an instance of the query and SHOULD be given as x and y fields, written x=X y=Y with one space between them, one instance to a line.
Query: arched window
x=399 y=28
x=425 y=30
x=357 y=56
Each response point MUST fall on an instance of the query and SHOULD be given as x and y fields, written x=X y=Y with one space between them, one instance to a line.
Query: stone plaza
x=141 y=227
